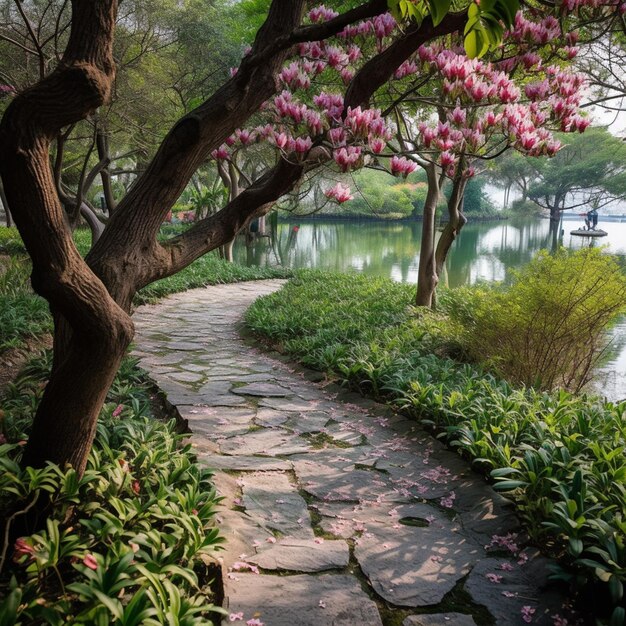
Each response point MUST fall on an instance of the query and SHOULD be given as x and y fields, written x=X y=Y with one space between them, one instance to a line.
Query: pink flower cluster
x=322 y=14
x=401 y=166
x=483 y=107
x=339 y=192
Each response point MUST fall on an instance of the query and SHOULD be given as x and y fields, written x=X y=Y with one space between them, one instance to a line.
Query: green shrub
x=546 y=329
x=124 y=543
x=559 y=456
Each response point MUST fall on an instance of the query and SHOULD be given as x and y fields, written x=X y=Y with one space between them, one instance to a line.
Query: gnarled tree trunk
x=99 y=330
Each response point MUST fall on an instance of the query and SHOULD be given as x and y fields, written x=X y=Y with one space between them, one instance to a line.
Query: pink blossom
x=239 y=566
x=377 y=145
x=136 y=487
x=90 y=561
x=254 y=622
x=527 y=613
x=337 y=136
x=408 y=68
x=347 y=157
x=322 y=14
x=303 y=144
x=281 y=140
x=236 y=617
x=221 y=153
x=494 y=578
x=559 y=620
x=118 y=409
x=448 y=501
x=384 y=25
x=402 y=166
x=339 y=192
x=447 y=159
x=504 y=541
x=347 y=75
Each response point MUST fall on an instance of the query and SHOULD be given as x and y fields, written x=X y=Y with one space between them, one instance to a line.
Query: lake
x=484 y=251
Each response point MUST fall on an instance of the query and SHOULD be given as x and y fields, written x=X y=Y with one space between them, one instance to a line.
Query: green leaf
x=438 y=10
x=576 y=546
x=476 y=43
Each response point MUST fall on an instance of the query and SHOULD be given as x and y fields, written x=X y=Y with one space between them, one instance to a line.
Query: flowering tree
x=481 y=110
x=91 y=299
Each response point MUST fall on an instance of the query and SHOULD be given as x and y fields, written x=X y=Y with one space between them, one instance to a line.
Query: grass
x=23 y=315
x=559 y=456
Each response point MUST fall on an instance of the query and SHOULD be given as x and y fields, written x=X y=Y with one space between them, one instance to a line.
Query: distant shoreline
x=315 y=217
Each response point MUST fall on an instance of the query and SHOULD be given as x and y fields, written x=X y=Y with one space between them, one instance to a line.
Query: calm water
x=483 y=252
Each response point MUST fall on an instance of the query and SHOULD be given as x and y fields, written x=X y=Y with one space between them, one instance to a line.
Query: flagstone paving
x=336 y=512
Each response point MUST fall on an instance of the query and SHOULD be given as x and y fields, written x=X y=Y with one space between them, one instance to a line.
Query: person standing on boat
x=594 y=218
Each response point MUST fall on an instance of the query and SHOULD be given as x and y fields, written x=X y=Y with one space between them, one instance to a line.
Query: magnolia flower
x=303 y=144
x=339 y=192
x=322 y=14
x=402 y=166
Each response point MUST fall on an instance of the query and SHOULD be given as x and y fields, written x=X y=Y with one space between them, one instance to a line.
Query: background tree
x=167 y=54
x=509 y=172
x=589 y=171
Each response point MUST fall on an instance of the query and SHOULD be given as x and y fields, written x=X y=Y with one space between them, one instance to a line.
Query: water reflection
x=484 y=251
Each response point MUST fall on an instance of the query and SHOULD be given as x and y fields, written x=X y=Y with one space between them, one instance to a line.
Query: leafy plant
x=546 y=327
x=124 y=543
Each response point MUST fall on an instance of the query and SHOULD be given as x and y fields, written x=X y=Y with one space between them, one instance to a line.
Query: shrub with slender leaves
x=126 y=543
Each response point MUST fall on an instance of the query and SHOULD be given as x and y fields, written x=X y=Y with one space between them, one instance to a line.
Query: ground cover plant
x=23 y=314
x=125 y=542
x=560 y=456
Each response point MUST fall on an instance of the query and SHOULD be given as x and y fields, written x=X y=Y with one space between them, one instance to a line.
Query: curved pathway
x=336 y=512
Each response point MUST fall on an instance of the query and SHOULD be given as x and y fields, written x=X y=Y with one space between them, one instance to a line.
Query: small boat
x=583 y=232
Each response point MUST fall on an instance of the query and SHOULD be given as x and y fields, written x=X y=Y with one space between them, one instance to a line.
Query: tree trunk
x=95 y=225
x=427 y=272
x=98 y=329
x=456 y=222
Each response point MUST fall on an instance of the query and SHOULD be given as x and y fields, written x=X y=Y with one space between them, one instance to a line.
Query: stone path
x=336 y=511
